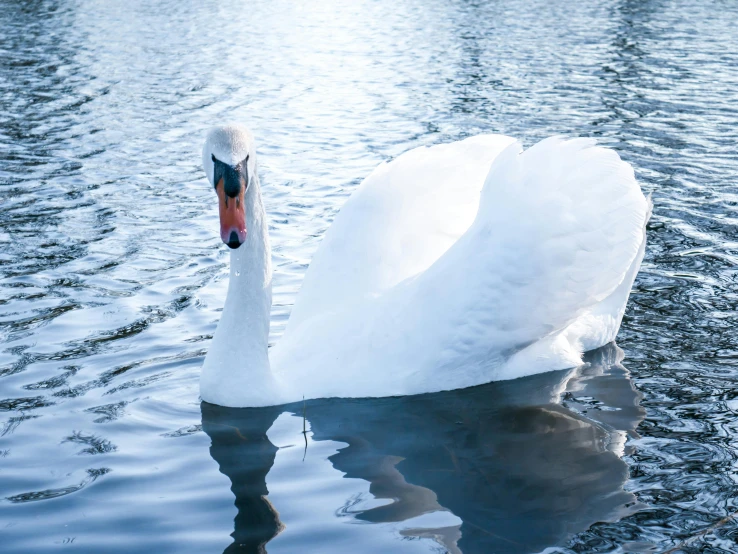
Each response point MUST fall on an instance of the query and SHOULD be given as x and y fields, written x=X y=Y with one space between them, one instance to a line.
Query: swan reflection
x=517 y=465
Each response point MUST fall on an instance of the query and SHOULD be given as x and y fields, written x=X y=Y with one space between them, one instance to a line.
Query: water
x=112 y=277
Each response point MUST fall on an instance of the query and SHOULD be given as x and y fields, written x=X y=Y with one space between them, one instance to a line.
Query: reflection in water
x=245 y=455
x=523 y=464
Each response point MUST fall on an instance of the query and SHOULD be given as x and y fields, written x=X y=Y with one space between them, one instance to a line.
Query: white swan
x=449 y=267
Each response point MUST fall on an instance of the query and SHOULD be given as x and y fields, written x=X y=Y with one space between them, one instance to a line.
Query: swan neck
x=249 y=298
x=237 y=364
x=251 y=263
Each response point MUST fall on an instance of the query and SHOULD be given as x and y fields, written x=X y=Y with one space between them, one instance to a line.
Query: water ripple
x=112 y=275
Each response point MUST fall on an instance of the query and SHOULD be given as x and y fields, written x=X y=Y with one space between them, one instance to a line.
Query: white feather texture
x=457 y=265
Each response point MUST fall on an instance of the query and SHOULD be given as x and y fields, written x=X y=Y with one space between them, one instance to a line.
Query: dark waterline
x=112 y=276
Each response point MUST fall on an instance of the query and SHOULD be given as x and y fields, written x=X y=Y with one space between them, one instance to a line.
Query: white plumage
x=449 y=267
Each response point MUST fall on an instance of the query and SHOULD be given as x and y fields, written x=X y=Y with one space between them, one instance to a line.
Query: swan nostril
x=233 y=241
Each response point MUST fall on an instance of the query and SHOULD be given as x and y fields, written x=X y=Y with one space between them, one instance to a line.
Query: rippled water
x=112 y=276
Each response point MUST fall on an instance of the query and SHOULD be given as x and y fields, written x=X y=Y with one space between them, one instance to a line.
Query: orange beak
x=232 y=216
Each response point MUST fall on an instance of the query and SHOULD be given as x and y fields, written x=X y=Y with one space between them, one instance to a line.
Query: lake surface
x=112 y=278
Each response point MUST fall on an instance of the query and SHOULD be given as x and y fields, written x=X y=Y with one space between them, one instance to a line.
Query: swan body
x=451 y=266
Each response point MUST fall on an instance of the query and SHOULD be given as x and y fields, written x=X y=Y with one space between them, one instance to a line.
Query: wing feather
x=397 y=223
x=404 y=298
x=559 y=225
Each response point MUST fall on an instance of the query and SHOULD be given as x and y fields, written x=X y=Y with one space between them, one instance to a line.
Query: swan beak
x=232 y=217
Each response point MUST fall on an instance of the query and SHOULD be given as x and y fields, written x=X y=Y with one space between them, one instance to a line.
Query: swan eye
x=238 y=202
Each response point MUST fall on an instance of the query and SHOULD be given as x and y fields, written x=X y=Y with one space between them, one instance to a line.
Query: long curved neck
x=236 y=370
x=249 y=299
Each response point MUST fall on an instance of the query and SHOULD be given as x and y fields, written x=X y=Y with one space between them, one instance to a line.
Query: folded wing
x=399 y=221
x=559 y=227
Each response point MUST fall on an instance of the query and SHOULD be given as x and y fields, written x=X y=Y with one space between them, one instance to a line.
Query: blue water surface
x=112 y=277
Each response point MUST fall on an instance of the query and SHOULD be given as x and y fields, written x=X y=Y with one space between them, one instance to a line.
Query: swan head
x=229 y=160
